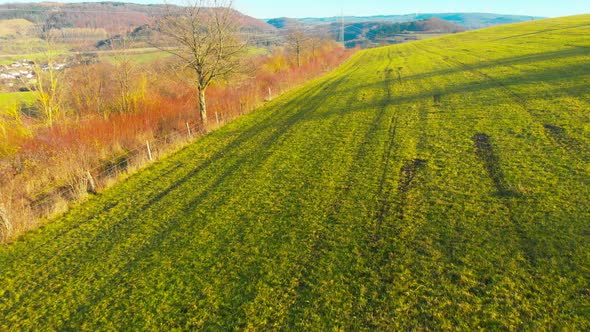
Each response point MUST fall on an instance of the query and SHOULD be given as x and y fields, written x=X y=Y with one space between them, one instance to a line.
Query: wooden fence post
x=5 y=223
x=149 y=150
x=188 y=130
x=90 y=183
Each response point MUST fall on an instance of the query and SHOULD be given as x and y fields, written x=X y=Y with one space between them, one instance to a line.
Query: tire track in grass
x=491 y=162
x=407 y=171
x=278 y=132
x=175 y=187
x=383 y=192
x=305 y=288
x=557 y=137
x=121 y=231
x=382 y=244
x=370 y=241
x=229 y=253
x=292 y=281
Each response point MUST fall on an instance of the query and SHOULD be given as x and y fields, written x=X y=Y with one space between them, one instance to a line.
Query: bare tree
x=48 y=85
x=317 y=40
x=205 y=36
x=297 y=41
x=88 y=88
x=124 y=74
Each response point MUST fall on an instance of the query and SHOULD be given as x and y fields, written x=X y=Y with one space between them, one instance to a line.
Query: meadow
x=10 y=99
x=442 y=184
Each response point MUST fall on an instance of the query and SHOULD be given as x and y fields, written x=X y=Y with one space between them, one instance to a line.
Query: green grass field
x=436 y=185
x=9 y=99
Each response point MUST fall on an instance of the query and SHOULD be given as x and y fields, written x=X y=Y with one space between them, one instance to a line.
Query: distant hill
x=114 y=17
x=368 y=34
x=284 y=22
x=374 y=30
x=14 y=27
x=467 y=20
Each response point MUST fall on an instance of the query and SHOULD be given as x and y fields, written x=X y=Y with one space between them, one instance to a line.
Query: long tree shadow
x=491 y=162
x=116 y=231
x=483 y=84
x=243 y=136
x=539 y=32
x=253 y=160
x=528 y=59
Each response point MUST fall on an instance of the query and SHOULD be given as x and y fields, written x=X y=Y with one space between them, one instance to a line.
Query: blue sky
x=323 y=8
x=314 y=8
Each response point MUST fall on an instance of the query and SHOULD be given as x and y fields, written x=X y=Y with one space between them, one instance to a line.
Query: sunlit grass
x=9 y=99
x=434 y=185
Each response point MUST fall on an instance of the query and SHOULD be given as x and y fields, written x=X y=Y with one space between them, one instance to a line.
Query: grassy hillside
x=442 y=184
x=14 y=27
x=114 y=17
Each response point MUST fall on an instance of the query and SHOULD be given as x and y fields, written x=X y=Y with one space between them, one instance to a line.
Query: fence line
x=154 y=151
x=115 y=164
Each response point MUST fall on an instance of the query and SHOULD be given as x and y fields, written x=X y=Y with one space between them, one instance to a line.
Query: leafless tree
x=297 y=42
x=48 y=85
x=124 y=74
x=205 y=36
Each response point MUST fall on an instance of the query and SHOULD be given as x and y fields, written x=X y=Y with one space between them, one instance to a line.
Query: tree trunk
x=5 y=225
x=298 y=55
x=203 y=106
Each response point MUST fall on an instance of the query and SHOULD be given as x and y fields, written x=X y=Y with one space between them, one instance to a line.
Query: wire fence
x=89 y=181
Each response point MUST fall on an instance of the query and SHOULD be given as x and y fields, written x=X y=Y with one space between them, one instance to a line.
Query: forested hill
x=374 y=31
x=466 y=20
x=114 y=17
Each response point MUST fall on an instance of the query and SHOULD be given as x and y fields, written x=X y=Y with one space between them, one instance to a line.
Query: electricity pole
x=342 y=28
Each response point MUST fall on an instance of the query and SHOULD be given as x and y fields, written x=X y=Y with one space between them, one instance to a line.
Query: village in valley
x=19 y=74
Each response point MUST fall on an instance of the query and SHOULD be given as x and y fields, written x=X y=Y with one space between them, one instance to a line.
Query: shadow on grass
x=107 y=238
x=491 y=162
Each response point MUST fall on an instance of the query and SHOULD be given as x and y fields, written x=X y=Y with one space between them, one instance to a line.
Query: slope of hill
x=284 y=23
x=115 y=17
x=378 y=33
x=467 y=20
x=441 y=184
x=14 y=27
